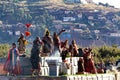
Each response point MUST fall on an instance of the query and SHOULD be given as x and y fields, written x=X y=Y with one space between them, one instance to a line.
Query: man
x=35 y=56
x=22 y=44
x=57 y=43
x=12 y=65
x=48 y=44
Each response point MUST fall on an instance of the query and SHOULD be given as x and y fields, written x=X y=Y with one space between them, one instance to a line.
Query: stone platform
x=26 y=72
x=26 y=65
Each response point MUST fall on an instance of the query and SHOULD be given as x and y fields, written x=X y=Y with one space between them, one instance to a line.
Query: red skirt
x=16 y=69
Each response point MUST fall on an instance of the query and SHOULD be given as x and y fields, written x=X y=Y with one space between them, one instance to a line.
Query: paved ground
x=32 y=78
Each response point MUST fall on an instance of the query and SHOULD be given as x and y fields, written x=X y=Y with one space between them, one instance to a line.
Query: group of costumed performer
x=12 y=64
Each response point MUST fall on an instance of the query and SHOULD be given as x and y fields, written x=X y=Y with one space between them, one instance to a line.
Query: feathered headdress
x=47 y=32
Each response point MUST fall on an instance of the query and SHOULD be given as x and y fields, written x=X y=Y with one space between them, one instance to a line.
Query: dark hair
x=13 y=44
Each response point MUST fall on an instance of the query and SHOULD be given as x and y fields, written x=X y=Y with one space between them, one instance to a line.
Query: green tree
x=106 y=53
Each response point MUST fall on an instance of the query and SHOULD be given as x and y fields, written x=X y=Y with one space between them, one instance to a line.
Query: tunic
x=34 y=57
x=12 y=64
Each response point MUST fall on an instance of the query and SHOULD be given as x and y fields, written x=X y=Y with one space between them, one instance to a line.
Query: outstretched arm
x=61 y=32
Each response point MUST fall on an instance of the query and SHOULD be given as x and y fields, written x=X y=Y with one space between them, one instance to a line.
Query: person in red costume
x=12 y=65
x=88 y=61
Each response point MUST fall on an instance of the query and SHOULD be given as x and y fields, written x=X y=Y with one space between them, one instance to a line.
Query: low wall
x=93 y=77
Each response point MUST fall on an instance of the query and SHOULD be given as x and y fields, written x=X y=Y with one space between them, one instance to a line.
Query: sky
x=115 y=3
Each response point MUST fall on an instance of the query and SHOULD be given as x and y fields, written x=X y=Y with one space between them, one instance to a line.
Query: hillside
x=57 y=4
x=78 y=19
x=24 y=9
x=60 y=4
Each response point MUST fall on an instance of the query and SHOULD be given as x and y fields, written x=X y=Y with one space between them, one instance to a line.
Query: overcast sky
x=115 y=3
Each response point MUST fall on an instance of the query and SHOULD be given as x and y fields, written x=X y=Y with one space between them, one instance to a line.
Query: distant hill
x=14 y=11
x=80 y=18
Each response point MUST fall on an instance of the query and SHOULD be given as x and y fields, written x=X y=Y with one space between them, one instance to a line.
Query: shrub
x=106 y=53
x=4 y=48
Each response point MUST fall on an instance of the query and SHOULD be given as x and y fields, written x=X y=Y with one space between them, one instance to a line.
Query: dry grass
x=100 y=7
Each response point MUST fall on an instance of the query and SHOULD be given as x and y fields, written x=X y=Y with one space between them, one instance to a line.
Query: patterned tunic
x=12 y=63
